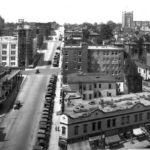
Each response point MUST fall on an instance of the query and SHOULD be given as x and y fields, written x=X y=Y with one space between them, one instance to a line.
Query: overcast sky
x=73 y=11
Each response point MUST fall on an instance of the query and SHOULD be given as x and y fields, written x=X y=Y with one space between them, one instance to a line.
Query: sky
x=73 y=11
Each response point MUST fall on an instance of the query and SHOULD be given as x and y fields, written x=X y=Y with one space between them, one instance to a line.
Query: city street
x=19 y=126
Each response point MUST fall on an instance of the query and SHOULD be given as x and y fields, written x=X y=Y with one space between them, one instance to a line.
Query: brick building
x=74 y=59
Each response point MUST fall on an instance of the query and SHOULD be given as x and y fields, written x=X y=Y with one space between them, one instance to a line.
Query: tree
x=105 y=33
x=86 y=34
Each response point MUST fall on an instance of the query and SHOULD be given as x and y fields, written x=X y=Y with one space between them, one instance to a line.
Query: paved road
x=19 y=126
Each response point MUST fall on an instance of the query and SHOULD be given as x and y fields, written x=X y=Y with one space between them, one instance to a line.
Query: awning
x=94 y=138
x=138 y=131
x=112 y=139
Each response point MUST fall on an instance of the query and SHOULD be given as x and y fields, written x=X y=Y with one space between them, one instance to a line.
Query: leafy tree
x=86 y=34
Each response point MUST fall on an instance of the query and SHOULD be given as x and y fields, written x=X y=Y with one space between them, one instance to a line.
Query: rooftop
x=77 y=107
x=89 y=77
x=144 y=66
x=104 y=47
x=73 y=46
x=8 y=38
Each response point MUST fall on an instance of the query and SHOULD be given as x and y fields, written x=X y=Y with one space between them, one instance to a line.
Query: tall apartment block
x=127 y=19
x=25 y=45
x=9 y=51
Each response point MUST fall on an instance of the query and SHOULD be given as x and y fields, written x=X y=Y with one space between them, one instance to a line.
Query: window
x=63 y=130
x=84 y=87
x=128 y=119
x=4 y=52
x=76 y=128
x=99 y=85
x=66 y=67
x=13 y=63
x=114 y=122
x=79 y=60
x=66 y=53
x=122 y=120
x=112 y=53
x=116 y=53
x=90 y=96
x=95 y=85
x=99 y=125
x=12 y=58
x=3 y=63
x=144 y=71
x=13 y=52
x=84 y=128
x=140 y=117
x=84 y=96
x=95 y=95
x=108 y=123
x=108 y=94
x=4 y=58
x=4 y=46
x=109 y=86
x=148 y=115
x=107 y=53
x=79 y=53
x=104 y=58
x=103 y=53
x=13 y=46
x=90 y=87
x=93 y=126
x=136 y=118
x=79 y=67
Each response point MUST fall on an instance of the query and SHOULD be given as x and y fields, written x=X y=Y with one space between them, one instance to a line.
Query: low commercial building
x=106 y=119
x=9 y=51
x=8 y=82
x=92 y=85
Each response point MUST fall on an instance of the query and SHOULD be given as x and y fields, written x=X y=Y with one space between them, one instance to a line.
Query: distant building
x=128 y=22
x=92 y=85
x=127 y=19
x=9 y=51
x=105 y=119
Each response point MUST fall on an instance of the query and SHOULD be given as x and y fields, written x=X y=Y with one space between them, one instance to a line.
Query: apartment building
x=104 y=118
x=92 y=85
x=106 y=59
x=9 y=51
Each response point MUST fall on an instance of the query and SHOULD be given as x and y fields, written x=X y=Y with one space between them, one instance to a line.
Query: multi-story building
x=106 y=59
x=128 y=22
x=25 y=45
x=9 y=51
x=127 y=19
x=107 y=118
x=74 y=59
x=92 y=85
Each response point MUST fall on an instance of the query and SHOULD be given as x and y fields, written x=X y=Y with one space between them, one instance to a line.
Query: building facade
x=74 y=59
x=9 y=51
x=91 y=85
x=104 y=118
x=106 y=59
x=25 y=46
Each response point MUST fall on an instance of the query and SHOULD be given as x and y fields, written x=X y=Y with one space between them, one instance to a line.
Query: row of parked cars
x=44 y=130
x=56 y=59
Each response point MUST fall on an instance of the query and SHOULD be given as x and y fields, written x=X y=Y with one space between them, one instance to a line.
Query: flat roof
x=77 y=107
x=105 y=47
x=89 y=77
x=72 y=46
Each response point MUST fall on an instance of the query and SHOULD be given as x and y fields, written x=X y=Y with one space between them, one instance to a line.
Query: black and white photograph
x=74 y=75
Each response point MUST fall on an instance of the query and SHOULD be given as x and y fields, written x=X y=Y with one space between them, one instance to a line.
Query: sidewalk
x=53 y=143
